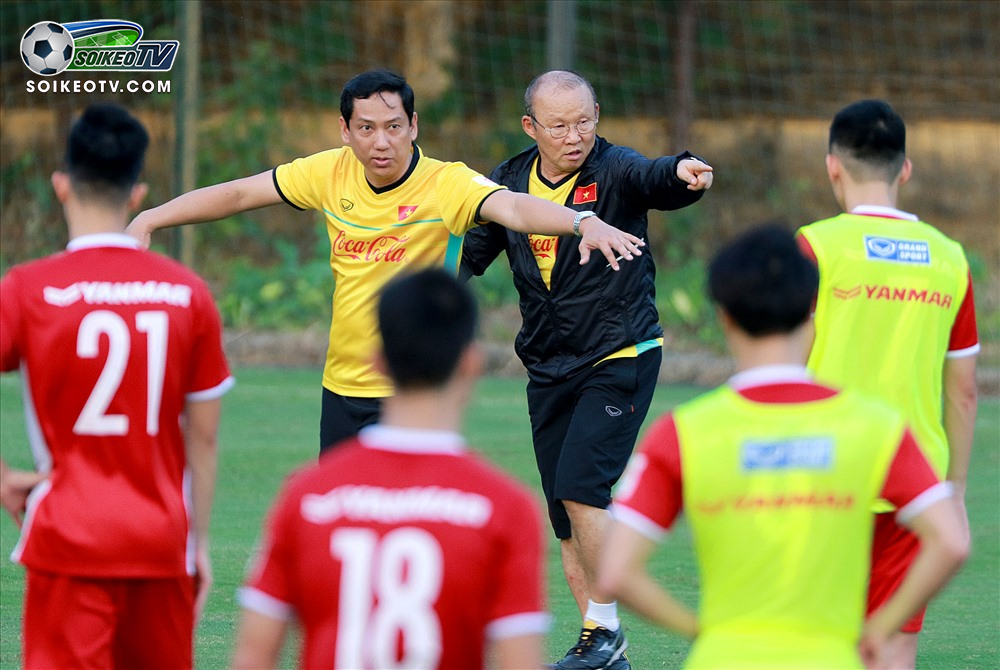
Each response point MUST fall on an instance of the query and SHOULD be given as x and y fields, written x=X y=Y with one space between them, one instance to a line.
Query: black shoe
x=597 y=649
x=621 y=664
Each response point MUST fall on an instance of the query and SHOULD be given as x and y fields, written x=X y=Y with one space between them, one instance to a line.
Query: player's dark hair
x=371 y=82
x=427 y=319
x=564 y=78
x=105 y=152
x=763 y=281
x=871 y=133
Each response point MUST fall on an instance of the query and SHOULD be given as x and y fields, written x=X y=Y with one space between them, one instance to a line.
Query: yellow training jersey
x=544 y=247
x=793 y=484
x=888 y=297
x=374 y=234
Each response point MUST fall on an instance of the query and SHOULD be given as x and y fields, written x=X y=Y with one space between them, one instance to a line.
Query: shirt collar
x=770 y=374
x=884 y=212
x=412 y=440
x=94 y=240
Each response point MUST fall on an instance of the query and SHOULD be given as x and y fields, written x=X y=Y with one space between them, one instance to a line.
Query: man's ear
x=904 y=174
x=725 y=321
x=528 y=126
x=138 y=194
x=833 y=168
x=472 y=361
x=345 y=135
x=837 y=174
x=61 y=185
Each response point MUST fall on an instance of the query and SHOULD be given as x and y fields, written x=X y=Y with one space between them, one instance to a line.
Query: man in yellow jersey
x=388 y=208
x=895 y=317
x=776 y=475
x=590 y=339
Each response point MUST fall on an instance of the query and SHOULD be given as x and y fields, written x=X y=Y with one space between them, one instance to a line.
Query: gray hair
x=564 y=79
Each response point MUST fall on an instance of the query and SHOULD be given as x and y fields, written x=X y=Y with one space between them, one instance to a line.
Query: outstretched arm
x=695 y=173
x=210 y=203
x=666 y=183
x=528 y=214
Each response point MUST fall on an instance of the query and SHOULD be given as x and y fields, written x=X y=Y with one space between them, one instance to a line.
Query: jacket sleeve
x=481 y=247
x=653 y=184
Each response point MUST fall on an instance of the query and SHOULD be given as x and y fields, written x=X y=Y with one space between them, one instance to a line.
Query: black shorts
x=343 y=416
x=584 y=430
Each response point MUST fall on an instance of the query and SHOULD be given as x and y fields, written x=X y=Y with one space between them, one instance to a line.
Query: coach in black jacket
x=585 y=411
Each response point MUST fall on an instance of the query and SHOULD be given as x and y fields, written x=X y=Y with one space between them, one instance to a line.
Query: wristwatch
x=580 y=216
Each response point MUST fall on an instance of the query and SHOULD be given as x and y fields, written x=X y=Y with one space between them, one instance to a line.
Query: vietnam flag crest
x=404 y=211
x=584 y=194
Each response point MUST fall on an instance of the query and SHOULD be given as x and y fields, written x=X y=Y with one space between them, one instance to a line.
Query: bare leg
x=602 y=641
x=589 y=526
x=574 y=573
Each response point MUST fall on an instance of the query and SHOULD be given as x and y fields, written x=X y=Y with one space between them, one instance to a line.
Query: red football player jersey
x=112 y=341
x=399 y=549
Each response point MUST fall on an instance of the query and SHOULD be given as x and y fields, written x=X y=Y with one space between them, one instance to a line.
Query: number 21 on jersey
x=94 y=418
x=388 y=587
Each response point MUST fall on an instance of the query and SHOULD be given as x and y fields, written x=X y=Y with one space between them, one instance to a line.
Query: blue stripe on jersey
x=348 y=223
x=453 y=255
x=412 y=223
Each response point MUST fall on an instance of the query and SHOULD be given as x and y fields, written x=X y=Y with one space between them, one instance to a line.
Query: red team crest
x=405 y=211
x=584 y=194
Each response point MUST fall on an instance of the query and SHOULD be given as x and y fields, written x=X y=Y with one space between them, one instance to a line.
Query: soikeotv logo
x=48 y=48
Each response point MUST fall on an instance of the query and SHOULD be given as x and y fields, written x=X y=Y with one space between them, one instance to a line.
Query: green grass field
x=270 y=426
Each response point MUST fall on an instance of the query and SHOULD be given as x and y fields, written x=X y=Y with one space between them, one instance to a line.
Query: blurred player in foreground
x=777 y=475
x=590 y=339
x=120 y=350
x=895 y=318
x=399 y=548
x=387 y=207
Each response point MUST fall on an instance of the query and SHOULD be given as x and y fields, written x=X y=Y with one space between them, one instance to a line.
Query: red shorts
x=76 y=622
x=894 y=549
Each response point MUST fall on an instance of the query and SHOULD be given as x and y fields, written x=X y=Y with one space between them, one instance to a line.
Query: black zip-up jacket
x=591 y=310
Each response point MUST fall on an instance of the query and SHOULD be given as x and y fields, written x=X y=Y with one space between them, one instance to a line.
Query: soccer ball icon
x=47 y=48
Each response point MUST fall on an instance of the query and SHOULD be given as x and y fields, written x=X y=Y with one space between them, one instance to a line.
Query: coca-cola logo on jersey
x=387 y=248
x=543 y=246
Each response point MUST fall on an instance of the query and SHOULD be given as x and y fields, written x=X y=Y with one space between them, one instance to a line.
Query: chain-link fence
x=749 y=85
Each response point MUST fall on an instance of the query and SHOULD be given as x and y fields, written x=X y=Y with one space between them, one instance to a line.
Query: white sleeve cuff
x=638 y=522
x=939 y=491
x=515 y=625
x=964 y=353
x=260 y=602
x=212 y=393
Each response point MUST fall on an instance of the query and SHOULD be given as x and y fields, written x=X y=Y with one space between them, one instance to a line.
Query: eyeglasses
x=584 y=127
